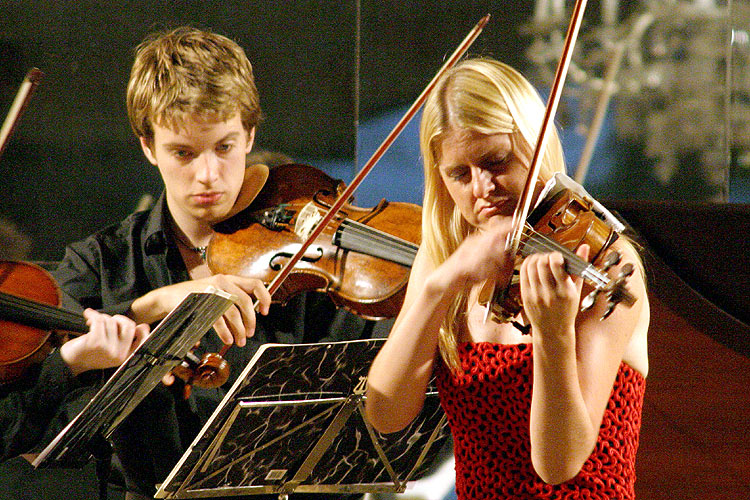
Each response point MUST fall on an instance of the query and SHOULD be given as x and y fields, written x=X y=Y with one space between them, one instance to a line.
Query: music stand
x=86 y=435
x=294 y=422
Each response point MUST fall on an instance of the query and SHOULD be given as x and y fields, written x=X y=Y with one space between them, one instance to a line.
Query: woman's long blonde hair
x=489 y=97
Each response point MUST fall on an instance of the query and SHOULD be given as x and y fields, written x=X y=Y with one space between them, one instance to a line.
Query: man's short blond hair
x=187 y=72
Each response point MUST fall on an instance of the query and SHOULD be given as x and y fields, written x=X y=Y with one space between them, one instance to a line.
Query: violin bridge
x=307 y=219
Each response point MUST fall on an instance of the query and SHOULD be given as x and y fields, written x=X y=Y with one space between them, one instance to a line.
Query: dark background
x=73 y=164
x=331 y=93
x=334 y=78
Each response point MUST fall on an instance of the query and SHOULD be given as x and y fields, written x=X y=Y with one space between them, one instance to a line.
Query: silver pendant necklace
x=201 y=251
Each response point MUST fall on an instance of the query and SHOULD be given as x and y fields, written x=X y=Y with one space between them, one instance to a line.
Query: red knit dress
x=488 y=410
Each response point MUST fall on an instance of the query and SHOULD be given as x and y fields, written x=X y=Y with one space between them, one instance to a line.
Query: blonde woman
x=552 y=413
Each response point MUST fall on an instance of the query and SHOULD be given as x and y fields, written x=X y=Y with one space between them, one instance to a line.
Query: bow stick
x=346 y=194
x=524 y=202
x=32 y=79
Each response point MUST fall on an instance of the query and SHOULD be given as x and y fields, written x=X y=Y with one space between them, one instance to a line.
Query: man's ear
x=146 y=147
x=250 y=140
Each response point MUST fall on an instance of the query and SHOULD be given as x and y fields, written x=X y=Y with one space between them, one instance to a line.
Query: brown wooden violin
x=562 y=222
x=361 y=259
x=31 y=323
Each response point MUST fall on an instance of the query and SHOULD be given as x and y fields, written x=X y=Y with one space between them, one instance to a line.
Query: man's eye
x=181 y=153
x=224 y=148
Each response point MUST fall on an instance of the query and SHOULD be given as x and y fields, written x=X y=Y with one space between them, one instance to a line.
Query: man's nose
x=208 y=167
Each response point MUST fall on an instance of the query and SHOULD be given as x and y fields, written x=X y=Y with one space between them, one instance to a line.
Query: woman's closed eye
x=458 y=173
x=496 y=164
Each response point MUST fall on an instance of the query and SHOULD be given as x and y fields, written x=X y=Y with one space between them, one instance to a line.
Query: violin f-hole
x=275 y=265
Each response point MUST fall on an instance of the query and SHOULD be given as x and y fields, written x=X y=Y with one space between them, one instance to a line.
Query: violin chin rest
x=254 y=180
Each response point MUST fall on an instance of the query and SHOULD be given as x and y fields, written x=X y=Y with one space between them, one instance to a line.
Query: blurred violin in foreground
x=31 y=323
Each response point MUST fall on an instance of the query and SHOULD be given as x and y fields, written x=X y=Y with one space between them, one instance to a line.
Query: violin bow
x=524 y=202
x=29 y=84
x=347 y=193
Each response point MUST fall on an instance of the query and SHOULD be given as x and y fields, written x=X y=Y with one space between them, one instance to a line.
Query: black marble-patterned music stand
x=294 y=422
x=86 y=435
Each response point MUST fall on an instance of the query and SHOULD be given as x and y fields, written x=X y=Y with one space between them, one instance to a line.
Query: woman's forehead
x=471 y=142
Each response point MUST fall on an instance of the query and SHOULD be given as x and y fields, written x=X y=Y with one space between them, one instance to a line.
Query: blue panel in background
x=397 y=176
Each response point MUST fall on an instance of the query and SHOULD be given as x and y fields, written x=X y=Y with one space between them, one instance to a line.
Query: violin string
x=379 y=236
x=381 y=239
x=575 y=264
x=539 y=242
x=30 y=308
x=381 y=248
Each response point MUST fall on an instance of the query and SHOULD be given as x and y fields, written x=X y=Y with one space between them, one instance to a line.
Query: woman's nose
x=481 y=182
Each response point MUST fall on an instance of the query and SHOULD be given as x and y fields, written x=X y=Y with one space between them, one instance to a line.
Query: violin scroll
x=209 y=372
x=615 y=290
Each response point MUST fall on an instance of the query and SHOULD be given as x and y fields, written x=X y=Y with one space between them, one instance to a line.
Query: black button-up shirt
x=35 y=408
x=113 y=267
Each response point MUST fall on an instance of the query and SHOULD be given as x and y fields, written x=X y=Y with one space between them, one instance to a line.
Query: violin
x=31 y=323
x=361 y=259
x=562 y=222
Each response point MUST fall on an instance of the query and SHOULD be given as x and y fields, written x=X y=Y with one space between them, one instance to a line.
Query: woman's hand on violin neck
x=109 y=342
x=550 y=296
x=235 y=326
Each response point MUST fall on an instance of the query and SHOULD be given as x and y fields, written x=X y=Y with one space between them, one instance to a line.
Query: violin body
x=362 y=259
x=569 y=219
x=29 y=298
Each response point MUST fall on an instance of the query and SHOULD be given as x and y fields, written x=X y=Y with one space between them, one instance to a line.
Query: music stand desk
x=294 y=422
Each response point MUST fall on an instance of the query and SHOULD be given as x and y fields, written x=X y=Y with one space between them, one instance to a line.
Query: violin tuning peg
x=589 y=300
x=610 y=307
x=617 y=293
x=612 y=259
x=627 y=270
